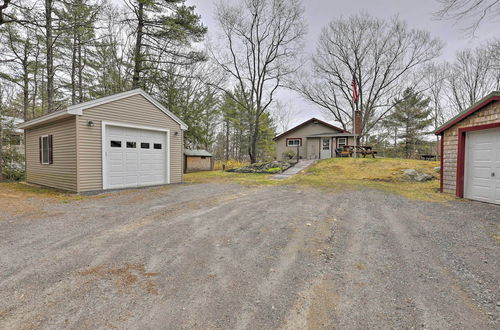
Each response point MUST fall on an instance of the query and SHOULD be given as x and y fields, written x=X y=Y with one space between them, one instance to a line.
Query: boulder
x=417 y=176
x=264 y=167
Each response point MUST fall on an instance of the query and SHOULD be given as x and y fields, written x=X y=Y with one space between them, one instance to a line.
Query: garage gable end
x=78 y=108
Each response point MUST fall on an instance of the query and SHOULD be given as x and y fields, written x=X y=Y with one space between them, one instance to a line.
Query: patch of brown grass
x=125 y=277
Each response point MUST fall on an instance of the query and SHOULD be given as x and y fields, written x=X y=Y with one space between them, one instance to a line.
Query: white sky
x=418 y=14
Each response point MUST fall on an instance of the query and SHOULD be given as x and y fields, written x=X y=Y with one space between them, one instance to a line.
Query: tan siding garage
x=79 y=135
x=61 y=173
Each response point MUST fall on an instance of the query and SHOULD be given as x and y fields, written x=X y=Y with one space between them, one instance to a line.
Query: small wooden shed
x=198 y=160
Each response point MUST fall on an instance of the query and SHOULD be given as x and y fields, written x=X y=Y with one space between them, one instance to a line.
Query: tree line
x=54 y=53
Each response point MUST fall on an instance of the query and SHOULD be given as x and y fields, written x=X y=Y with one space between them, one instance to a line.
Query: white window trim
x=48 y=151
x=150 y=128
x=293 y=145
x=345 y=141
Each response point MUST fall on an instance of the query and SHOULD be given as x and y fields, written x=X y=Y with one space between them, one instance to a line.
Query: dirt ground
x=236 y=257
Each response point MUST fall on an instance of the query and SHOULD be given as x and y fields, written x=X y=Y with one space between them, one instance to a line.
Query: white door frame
x=127 y=125
x=321 y=147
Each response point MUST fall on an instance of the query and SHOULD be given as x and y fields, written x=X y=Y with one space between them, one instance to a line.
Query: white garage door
x=482 y=166
x=134 y=157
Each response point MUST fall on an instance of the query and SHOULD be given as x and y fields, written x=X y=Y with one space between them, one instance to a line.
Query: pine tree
x=410 y=119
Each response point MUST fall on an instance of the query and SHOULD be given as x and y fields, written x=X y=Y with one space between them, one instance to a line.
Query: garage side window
x=45 y=146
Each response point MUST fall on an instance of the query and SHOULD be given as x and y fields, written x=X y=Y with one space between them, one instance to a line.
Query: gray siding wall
x=62 y=174
x=131 y=110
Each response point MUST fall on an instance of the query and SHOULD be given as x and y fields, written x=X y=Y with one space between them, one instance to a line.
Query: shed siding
x=62 y=173
x=488 y=115
x=135 y=110
x=195 y=164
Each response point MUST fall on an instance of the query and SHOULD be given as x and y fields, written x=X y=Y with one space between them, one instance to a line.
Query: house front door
x=326 y=151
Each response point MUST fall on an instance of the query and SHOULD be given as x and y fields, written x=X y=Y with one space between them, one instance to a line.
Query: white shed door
x=482 y=166
x=134 y=157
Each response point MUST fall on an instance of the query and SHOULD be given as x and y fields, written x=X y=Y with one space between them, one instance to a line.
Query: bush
x=289 y=154
x=13 y=165
x=274 y=170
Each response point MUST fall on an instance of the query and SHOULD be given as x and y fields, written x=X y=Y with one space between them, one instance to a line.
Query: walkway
x=301 y=165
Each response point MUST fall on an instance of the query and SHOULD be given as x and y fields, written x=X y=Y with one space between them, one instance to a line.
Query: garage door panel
x=482 y=166
x=134 y=164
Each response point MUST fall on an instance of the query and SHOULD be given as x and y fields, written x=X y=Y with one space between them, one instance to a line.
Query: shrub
x=273 y=170
x=289 y=154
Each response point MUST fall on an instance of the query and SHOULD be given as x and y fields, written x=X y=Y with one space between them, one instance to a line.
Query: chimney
x=358 y=122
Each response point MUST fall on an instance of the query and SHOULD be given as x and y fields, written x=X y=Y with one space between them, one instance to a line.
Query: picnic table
x=348 y=151
x=428 y=157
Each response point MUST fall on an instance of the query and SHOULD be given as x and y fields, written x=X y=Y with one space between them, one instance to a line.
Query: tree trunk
x=1 y=144
x=73 y=68
x=138 y=47
x=80 y=72
x=254 y=139
x=227 y=140
x=50 y=53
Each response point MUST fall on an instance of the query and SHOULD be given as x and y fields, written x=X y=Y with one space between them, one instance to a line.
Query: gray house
x=314 y=139
x=124 y=140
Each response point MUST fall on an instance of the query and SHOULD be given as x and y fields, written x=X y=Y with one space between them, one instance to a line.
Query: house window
x=342 y=142
x=45 y=149
x=157 y=146
x=131 y=144
x=116 y=144
x=203 y=157
x=293 y=142
x=144 y=145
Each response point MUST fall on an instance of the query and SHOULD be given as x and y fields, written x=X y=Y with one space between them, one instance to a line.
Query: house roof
x=493 y=96
x=308 y=122
x=199 y=153
x=330 y=134
x=77 y=109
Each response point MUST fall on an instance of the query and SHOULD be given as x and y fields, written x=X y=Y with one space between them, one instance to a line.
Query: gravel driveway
x=227 y=256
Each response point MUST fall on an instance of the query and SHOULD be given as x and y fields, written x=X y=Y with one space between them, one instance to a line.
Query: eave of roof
x=308 y=122
x=331 y=135
x=77 y=109
x=199 y=153
x=493 y=96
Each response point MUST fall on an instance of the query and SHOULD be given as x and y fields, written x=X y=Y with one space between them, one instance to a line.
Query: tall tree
x=259 y=46
x=163 y=30
x=473 y=76
x=382 y=57
x=412 y=116
x=79 y=18
x=473 y=12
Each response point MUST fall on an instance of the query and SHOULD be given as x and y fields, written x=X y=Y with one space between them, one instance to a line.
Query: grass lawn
x=13 y=190
x=347 y=173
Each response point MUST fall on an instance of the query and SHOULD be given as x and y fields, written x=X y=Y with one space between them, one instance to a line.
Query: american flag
x=354 y=91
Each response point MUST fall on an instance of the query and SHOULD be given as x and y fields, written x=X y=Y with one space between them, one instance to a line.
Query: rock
x=264 y=167
x=308 y=224
x=417 y=176
x=437 y=169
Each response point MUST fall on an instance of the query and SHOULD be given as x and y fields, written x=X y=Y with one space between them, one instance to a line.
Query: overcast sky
x=418 y=14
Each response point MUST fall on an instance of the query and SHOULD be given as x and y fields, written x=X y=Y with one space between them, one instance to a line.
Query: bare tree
x=260 y=42
x=472 y=77
x=282 y=115
x=474 y=12
x=381 y=57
